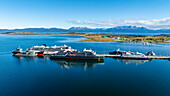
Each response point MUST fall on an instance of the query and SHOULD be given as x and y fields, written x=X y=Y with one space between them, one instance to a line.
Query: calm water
x=113 y=77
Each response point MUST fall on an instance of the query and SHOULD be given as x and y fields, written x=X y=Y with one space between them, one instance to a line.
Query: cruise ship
x=77 y=55
x=49 y=50
x=41 y=50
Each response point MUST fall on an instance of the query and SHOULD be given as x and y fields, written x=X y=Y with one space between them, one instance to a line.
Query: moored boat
x=129 y=55
x=43 y=50
x=77 y=55
x=27 y=53
x=117 y=52
x=18 y=50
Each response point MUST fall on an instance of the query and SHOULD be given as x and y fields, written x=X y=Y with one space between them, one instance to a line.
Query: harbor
x=66 y=52
x=35 y=72
x=85 y=48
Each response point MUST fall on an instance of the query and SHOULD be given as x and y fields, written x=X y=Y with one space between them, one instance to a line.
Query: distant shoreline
x=106 y=37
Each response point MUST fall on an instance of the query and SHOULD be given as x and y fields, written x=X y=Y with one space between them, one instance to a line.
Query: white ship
x=43 y=50
x=129 y=55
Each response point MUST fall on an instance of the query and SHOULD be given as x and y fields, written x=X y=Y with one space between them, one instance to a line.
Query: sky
x=153 y=14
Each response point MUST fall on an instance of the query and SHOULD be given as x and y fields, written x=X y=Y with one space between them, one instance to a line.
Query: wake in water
x=4 y=53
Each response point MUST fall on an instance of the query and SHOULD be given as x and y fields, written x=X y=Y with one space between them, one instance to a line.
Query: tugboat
x=77 y=55
x=130 y=55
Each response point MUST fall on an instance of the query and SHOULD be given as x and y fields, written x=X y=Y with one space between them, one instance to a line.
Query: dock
x=158 y=57
x=149 y=57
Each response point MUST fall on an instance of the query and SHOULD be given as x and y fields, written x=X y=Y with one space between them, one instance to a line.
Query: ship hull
x=14 y=52
x=40 y=54
x=78 y=58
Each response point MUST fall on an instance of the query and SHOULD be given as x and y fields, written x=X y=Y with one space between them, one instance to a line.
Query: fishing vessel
x=129 y=55
x=77 y=55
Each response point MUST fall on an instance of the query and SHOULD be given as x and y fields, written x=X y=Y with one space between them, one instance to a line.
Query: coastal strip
x=106 y=37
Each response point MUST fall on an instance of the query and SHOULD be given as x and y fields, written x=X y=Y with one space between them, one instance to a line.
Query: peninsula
x=106 y=37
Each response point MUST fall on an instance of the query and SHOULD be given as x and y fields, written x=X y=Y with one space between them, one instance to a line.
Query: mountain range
x=86 y=29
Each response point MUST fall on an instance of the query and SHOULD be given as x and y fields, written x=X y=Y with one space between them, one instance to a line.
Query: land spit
x=106 y=37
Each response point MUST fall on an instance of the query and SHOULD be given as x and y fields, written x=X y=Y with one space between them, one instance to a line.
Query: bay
x=113 y=77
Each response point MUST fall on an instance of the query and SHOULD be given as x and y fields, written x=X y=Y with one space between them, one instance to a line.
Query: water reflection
x=44 y=57
x=129 y=61
x=33 y=58
x=75 y=63
x=63 y=63
x=27 y=58
x=132 y=61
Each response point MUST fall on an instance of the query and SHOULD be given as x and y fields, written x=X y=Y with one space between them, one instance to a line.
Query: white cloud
x=163 y=23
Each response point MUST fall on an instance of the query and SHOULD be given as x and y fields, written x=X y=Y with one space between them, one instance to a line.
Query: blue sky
x=152 y=14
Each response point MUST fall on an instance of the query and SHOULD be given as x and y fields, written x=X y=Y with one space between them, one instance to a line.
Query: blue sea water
x=113 y=77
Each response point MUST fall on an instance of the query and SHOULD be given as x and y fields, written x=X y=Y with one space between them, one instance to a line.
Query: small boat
x=145 y=43
x=18 y=50
x=27 y=53
x=129 y=55
x=77 y=55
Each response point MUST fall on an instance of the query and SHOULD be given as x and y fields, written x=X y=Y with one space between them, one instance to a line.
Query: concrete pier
x=149 y=57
